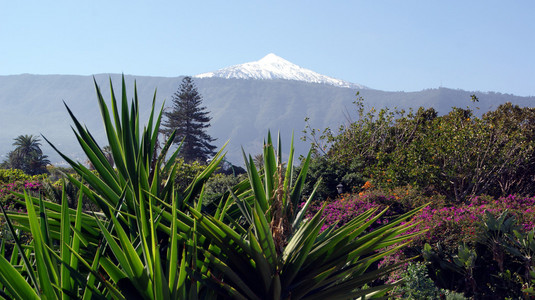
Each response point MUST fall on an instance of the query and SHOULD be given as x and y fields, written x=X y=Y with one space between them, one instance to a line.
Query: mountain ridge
x=242 y=111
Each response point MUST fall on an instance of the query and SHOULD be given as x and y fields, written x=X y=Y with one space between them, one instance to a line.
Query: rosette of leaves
x=139 y=245
x=274 y=253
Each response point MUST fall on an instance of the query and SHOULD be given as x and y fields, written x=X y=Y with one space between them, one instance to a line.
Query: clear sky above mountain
x=387 y=45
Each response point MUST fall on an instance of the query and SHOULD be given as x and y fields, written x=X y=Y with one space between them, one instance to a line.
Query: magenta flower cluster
x=447 y=224
x=343 y=210
x=18 y=186
x=7 y=198
x=462 y=223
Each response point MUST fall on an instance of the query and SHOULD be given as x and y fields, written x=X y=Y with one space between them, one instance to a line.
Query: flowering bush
x=14 y=180
x=454 y=225
x=399 y=201
x=20 y=183
x=7 y=199
x=342 y=210
x=447 y=226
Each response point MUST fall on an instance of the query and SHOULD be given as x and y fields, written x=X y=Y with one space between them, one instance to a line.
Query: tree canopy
x=458 y=155
x=27 y=156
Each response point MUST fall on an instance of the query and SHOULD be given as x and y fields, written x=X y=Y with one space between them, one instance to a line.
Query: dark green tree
x=27 y=156
x=190 y=121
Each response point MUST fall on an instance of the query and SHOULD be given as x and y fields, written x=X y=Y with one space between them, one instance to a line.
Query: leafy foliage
x=218 y=185
x=330 y=174
x=457 y=155
x=12 y=175
x=418 y=285
x=186 y=173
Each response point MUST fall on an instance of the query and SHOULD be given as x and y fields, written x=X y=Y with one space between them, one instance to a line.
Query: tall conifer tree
x=190 y=120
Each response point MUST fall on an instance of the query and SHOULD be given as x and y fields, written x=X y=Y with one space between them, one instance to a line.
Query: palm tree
x=37 y=164
x=28 y=156
x=27 y=144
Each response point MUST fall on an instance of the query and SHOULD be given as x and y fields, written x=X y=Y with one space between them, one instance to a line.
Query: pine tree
x=190 y=120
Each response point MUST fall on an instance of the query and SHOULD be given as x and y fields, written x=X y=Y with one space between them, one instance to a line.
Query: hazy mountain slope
x=242 y=110
x=248 y=108
x=33 y=104
x=442 y=99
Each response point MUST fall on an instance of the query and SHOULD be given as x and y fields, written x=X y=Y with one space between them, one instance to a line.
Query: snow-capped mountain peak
x=274 y=60
x=272 y=66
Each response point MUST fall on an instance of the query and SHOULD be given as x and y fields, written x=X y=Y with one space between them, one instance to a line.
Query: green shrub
x=12 y=175
x=218 y=185
x=417 y=285
x=331 y=174
x=56 y=173
x=186 y=173
x=458 y=155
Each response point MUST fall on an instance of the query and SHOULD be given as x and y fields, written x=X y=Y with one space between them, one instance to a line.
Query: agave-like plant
x=140 y=245
x=49 y=267
x=276 y=254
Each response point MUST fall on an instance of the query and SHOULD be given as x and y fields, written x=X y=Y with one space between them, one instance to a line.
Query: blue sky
x=387 y=45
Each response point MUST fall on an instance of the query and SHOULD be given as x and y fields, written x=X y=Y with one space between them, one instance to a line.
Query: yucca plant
x=48 y=267
x=139 y=245
x=276 y=254
x=147 y=235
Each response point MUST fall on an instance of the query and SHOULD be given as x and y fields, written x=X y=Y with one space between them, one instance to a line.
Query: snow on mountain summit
x=272 y=66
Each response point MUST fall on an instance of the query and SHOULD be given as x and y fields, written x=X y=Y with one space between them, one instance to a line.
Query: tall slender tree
x=190 y=121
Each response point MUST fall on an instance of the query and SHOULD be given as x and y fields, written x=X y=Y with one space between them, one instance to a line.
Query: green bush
x=12 y=175
x=218 y=185
x=186 y=173
x=56 y=173
x=332 y=174
x=458 y=155
x=417 y=285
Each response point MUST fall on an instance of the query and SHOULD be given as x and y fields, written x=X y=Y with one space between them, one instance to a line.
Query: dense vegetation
x=477 y=173
x=453 y=194
x=148 y=236
x=457 y=155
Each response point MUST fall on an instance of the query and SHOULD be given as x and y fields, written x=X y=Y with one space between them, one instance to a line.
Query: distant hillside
x=242 y=110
